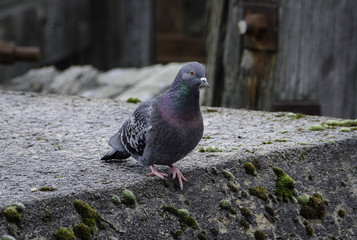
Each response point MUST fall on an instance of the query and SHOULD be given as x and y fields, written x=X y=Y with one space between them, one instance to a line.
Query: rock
x=74 y=80
x=34 y=80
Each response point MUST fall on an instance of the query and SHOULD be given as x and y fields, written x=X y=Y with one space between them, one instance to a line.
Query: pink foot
x=176 y=172
x=154 y=172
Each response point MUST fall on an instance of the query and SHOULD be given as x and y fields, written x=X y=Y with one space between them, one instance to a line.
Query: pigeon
x=165 y=129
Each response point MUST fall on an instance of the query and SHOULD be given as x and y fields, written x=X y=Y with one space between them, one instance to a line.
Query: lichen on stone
x=284 y=184
x=259 y=192
x=128 y=198
x=250 y=168
x=64 y=234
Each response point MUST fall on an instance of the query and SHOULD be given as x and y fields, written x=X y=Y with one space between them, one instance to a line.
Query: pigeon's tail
x=115 y=154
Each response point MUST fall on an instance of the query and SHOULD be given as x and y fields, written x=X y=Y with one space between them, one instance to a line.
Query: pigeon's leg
x=176 y=173
x=154 y=172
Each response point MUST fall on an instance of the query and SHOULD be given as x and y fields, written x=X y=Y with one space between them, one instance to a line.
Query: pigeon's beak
x=204 y=82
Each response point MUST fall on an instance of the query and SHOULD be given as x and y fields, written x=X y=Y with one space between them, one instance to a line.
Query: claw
x=154 y=172
x=176 y=173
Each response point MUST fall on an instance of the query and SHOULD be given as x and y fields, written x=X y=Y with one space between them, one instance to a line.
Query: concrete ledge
x=49 y=151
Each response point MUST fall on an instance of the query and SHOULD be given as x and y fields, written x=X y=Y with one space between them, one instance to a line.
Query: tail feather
x=115 y=154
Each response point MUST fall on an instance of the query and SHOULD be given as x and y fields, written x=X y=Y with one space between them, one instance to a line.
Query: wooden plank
x=316 y=59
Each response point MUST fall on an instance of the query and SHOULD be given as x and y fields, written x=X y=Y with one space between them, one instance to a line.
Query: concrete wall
x=51 y=160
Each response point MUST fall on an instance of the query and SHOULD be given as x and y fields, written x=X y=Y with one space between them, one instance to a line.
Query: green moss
x=343 y=123
x=201 y=236
x=259 y=235
x=280 y=140
x=341 y=213
x=246 y=212
x=166 y=183
x=268 y=142
x=303 y=198
x=259 y=192
x=309 y=230
x=183 y=215
x=225 y=204
x=128 y=198
x=48 y=216
x=317 y=127
x=206 y=137
x=270 y=210
x=214 y=171
x=11 y=214
x=211 y=149
x=115 y=199
x=285 y=131
x=85 y=210
x=228 y=175
x=284 y=184
x=244 y=223
x=91 y=223
x=144 y=217
x=345 y=129
x=177 y=234
x=64 y=234
x=41 y=138
x=7 y=237
x=232 y=186
x=250 y=168
x=82 y=231
x=12 y=228
x=133 y=100
x=295 y=115
x=47 y=189
x=314 y=208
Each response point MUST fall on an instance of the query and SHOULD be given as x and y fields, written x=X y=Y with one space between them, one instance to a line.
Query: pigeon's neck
x=181 y=100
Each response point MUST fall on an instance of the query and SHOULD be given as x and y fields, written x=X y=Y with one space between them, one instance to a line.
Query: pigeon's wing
x=133 y=135
x=115 y=140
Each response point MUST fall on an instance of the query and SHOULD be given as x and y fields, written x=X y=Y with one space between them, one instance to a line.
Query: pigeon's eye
x=192 y=73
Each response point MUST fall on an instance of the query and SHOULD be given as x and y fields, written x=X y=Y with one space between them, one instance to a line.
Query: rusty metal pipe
x=9 y=53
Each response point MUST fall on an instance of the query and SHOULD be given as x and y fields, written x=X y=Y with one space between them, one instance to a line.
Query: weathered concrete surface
x=55 y=141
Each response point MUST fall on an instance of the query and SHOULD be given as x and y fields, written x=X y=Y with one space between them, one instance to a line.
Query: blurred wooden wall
x=314 y=69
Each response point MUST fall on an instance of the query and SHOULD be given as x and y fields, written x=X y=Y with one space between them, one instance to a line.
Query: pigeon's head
x=193 y=75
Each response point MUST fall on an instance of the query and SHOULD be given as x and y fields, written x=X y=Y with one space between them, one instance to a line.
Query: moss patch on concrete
x=64 y=234
x=284 y=184
x=183 y=215
x=128 y=198
x=314 y=208
x=259 y=192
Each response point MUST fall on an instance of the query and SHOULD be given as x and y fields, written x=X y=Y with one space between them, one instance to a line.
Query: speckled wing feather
x=135 y=129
